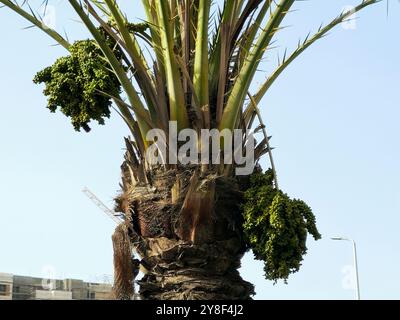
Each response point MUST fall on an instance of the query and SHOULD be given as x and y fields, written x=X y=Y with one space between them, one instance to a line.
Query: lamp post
x=355 y=262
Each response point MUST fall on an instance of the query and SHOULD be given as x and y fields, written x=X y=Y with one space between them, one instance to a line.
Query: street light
x=355 y=261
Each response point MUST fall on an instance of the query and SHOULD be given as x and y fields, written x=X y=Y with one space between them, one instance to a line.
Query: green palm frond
x=36 y=21
x=186 y=78
x=246 y=74
x=200 y=74
x=144 y=120
x=322 y=31
x=174 y=85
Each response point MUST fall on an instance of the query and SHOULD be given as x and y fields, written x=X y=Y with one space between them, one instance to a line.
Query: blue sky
x=334 y=120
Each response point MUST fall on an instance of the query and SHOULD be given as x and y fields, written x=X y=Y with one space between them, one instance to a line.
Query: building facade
x=6 y=286
x=14 y=287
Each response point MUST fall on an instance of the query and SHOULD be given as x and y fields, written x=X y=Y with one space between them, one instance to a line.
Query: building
x=6 y=286
x=13 y=287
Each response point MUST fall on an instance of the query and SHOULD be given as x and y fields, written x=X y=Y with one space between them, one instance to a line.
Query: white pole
x=355 y=263
x=356 y=269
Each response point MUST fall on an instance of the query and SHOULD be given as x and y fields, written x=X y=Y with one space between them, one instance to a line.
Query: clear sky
x=334 y=116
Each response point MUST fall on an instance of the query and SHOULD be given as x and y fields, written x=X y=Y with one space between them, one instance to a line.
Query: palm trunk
x=179 y=270
x=187 y=229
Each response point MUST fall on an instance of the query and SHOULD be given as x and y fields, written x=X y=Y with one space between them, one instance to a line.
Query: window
x=91 y=295
x=4 y=290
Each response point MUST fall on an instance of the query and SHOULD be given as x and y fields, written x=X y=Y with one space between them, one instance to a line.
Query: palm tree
x=189 y=224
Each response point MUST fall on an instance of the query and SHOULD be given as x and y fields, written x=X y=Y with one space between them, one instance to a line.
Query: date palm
x=185 y=222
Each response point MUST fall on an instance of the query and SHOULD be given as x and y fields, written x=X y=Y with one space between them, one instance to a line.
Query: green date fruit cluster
x=276 y=227
x=80 y=84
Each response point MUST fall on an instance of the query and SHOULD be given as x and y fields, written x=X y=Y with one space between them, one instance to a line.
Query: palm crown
x=194 y=74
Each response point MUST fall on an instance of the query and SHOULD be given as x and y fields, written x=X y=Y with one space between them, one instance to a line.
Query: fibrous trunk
x=185 y=224
x=182 y=270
